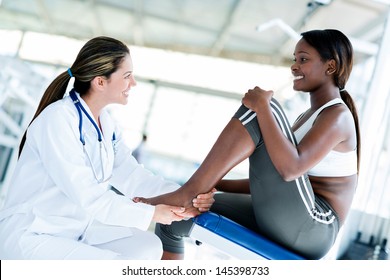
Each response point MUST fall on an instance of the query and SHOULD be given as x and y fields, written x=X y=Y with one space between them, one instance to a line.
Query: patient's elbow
x=288 y=175
x=289 y=178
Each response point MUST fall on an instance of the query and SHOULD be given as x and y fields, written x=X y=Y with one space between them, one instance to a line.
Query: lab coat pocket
x=99 y=233
x=56 y=226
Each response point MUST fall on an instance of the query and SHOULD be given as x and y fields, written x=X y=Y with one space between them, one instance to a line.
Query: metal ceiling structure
x=261 y=31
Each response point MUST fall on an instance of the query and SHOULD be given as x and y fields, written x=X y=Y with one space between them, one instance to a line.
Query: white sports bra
x=334 y=164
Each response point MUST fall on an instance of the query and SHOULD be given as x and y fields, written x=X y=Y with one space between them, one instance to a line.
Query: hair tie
x=343 y=89
x=70 y=73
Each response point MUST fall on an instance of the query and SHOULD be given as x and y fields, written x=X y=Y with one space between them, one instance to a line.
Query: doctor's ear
x=98 y=82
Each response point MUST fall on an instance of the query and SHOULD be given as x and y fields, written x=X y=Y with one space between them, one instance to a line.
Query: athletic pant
x=288 y=213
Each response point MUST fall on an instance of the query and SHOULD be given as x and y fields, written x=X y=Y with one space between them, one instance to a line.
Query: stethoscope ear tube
x=80 y=109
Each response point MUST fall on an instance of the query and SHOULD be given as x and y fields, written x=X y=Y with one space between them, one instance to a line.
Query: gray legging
x=289 y=213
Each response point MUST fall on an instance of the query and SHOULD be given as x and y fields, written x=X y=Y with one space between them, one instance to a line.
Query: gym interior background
x=193 y=60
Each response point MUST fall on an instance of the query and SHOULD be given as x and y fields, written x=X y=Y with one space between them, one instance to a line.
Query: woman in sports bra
x=302 y=179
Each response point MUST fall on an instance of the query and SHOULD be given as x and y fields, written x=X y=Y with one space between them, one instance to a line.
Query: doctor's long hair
x=333 y=44
x=100 y=56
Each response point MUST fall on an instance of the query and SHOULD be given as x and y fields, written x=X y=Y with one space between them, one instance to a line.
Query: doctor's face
x=120 y=82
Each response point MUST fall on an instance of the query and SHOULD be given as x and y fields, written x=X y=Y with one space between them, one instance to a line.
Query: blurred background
x=193 y=61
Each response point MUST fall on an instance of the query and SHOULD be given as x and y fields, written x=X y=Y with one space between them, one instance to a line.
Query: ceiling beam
x=137 y=30
x=224 y=34
x=44 y=15
x=96 y=24
x=373 y=29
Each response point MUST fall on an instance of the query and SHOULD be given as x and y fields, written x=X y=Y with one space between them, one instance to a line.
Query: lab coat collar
x=105 y=121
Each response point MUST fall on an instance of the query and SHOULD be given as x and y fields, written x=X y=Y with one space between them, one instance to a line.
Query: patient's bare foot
x=180 y=197
x=176 y=198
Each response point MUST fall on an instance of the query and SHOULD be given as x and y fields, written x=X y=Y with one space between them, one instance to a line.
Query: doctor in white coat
x=60 y=204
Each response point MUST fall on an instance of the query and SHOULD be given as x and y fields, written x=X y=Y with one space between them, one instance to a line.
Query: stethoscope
x=80 y=109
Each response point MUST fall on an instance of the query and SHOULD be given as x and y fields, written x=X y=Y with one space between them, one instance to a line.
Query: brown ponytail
x=54 y=92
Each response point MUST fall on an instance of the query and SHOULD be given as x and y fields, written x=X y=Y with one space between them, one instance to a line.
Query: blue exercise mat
x=244 y=237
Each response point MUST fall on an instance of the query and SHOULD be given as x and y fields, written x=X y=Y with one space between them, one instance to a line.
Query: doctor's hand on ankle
x=166 y=214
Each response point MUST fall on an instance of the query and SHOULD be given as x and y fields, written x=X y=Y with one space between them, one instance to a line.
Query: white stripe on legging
x=249 y=119
x=245 y=115
x=288 y=133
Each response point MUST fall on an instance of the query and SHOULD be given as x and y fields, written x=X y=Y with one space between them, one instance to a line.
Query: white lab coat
x=54 y=190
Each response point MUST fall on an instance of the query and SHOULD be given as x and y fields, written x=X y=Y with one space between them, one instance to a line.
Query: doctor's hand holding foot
x=202 y=203
x=166 y=214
